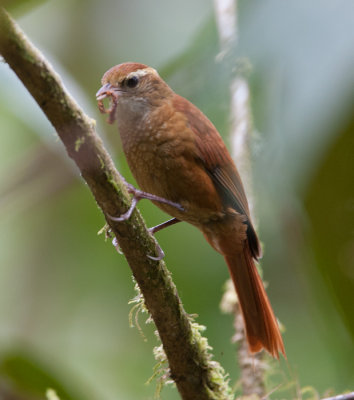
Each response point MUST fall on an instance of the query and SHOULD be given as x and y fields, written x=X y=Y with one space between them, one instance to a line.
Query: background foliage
x=64 y=292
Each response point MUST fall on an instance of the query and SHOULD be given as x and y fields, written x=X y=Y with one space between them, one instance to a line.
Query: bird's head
x=134 y=86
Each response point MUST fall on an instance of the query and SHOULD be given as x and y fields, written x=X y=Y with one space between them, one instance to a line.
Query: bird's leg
x=157 y=228
x=139 y=195
x=164 y=225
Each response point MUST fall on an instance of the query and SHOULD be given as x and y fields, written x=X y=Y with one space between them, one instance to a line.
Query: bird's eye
x=132 y=82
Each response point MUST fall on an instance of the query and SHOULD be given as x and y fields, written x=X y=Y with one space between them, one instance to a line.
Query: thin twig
x=252 y=368
x=196 y=376
x=345 y=396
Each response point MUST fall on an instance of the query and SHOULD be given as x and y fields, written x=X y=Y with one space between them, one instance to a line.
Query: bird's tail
x=261 y=325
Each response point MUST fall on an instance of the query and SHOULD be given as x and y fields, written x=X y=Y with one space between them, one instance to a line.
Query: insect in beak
x=110 y=91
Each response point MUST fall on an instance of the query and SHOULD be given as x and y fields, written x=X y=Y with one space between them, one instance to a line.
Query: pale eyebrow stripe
x=143 y=72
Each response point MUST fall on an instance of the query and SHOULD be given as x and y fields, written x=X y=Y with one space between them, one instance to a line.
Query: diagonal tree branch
x=196 y=376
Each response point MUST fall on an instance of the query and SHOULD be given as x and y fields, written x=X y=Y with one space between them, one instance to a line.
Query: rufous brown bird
x=178 y=158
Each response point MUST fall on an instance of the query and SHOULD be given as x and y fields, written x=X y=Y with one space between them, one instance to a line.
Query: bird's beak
x=106 y=90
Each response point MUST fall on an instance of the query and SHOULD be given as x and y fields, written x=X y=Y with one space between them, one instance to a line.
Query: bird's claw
x=160 y=253
x=116 y=245
x=127 y=214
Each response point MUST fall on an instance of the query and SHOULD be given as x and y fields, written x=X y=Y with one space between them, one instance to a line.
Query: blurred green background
x=64 y=291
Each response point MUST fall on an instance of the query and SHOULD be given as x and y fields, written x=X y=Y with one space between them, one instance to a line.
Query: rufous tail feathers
x=261 y=325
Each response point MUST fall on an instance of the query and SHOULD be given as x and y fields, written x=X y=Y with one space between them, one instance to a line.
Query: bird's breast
x=162 y=155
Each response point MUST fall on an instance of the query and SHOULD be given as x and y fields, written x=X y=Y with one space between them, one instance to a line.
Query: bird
x=181 y=163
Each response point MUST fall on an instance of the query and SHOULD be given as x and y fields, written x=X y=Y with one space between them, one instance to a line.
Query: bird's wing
x=218 y=164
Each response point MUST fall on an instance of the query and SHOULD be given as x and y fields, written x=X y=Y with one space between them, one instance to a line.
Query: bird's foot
x=160 y=253
x=157 y=228
x=139 y=195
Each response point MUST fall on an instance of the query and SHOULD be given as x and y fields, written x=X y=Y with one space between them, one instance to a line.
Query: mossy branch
x=195 y=375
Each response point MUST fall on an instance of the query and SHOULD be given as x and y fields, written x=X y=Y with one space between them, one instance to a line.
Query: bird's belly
x=178 y=179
